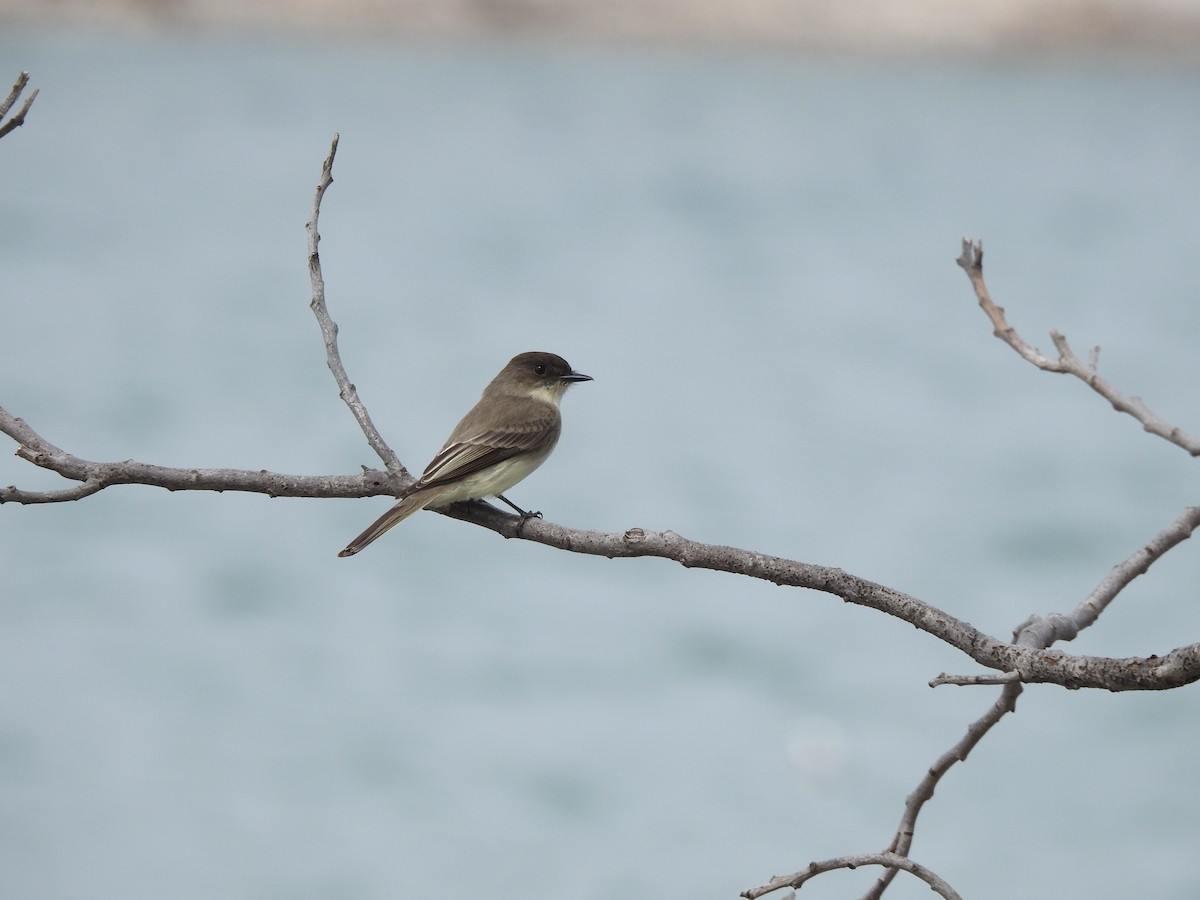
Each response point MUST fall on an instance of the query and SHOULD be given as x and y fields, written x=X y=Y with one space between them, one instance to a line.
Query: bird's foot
x=523 y=513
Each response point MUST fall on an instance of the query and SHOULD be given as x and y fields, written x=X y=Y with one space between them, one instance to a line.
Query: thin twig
x=892 y=861
x=85 y=488
x=329 y=330
x=7 y=102
x=19 y=119
x=915 y=802
x=971 y=261
x=974 y=680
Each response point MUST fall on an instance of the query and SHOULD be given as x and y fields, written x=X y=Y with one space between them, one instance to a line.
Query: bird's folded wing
x=466 y=456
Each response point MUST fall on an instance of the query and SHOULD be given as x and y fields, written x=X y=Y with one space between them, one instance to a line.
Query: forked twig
x=894 y=862
x=971 y=260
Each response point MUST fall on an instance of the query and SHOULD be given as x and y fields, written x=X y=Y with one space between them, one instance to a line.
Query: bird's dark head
x=544 y=375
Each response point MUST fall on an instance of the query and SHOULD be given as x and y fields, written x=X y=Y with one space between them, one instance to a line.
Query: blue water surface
x=754 y=256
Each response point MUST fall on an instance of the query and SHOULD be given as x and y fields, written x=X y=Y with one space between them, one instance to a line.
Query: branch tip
x=1067 y=363
x=971 y=257
x=6 y=104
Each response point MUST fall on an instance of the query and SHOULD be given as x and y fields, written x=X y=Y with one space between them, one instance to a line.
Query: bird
x=506 y=435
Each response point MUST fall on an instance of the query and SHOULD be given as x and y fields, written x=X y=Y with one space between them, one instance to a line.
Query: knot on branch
x=1042 y=631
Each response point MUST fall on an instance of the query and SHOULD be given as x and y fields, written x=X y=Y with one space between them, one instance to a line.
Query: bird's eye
x=540 y=368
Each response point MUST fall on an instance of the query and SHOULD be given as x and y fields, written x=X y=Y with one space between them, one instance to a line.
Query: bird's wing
x=467 y=454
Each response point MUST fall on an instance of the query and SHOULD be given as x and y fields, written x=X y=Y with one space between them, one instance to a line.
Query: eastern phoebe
x=508 y=434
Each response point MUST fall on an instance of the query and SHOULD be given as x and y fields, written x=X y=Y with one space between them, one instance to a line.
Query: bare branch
x=1032 y=665
x=915 y=802
x=95 y=476
x=329 y=330
x=1037 y=632
x=891 y=860
x=1040 y=632
x=1179 y=667
x=1067 y=363
x=19 y=119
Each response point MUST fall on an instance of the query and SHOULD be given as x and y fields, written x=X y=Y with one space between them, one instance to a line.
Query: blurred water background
x=753 y=253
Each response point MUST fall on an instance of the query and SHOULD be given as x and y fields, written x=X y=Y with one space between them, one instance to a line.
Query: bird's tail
x=393 y=516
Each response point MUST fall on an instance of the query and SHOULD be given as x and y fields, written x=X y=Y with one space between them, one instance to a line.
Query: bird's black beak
x=576 y=376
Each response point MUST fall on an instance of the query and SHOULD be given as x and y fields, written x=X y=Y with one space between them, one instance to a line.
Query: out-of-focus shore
x=1150 y=27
